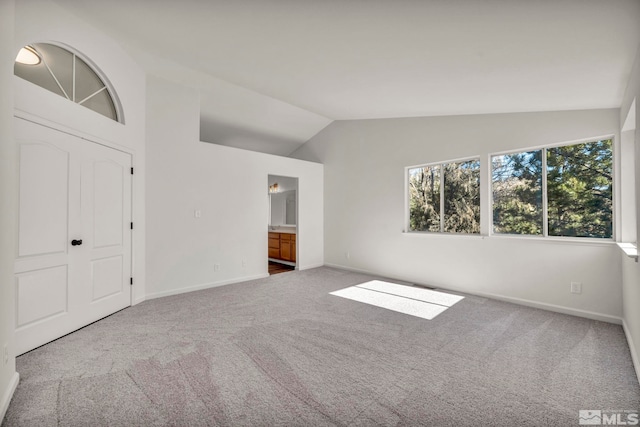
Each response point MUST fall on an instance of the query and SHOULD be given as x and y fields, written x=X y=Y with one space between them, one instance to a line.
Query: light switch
x=197 y=213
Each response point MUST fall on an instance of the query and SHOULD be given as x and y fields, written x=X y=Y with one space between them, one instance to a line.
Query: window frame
x=407 y=197
x=545 y=201
x=76 y=55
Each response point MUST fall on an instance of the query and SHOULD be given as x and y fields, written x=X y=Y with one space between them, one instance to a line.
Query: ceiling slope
x=297 y=65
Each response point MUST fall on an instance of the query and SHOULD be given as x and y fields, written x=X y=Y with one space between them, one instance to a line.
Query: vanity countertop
x=287 y=230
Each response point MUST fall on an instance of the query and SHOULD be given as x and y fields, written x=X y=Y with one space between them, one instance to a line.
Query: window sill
x=589 y=241
x=447 y=235
x=575 y=241
x=630 y=249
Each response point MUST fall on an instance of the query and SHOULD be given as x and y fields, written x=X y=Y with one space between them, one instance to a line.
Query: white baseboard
x=310 y=266
x=139 y=300
x=8 y=395
x=356 y=270
x=632 y=349
x=552 y=307
x=529 y=303
x=205 y=286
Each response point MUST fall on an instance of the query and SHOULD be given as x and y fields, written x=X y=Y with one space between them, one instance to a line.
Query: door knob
x=76 y=242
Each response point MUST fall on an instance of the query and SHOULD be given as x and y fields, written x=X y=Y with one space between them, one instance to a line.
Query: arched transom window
x=63 y=72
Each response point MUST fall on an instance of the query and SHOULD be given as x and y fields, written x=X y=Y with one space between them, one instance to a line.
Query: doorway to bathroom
x=283 y=223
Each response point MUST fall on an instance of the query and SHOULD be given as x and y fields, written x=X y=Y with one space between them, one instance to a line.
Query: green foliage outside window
x=460 y=183
x=424 y=199
x=462 y=197
x=579 y=189
x=517 y=193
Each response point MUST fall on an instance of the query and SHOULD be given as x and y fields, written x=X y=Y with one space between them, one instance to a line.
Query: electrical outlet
x=197 y=213
x=576 y=287
x=5 y=352
x=216 y=267
x=244 y=263
x=347 y=255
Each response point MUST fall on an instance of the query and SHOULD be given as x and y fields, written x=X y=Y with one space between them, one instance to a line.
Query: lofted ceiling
x=273 y=73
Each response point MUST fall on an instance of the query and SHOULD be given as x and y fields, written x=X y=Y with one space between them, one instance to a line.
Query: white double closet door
x=73 y=264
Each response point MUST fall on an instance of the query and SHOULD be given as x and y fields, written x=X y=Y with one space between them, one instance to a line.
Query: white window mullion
x=92 y=95
x=55 y=78
x=545 y=199
x=73 y=78
x=486 y=203
x=442 y=198
x=407 y=200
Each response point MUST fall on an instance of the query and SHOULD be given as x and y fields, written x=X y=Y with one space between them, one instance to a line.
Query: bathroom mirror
x=283 y=208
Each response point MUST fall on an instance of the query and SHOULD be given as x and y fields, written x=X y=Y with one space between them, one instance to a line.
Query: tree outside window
x=580 y=190
x=578 y=186
x=445 y=197
x=517 y=193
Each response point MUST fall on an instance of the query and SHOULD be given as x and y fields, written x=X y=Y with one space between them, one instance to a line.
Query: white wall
x=44 y=21
x=229 y=186
x=8 y=195
x=630 y=268
x=364 y=164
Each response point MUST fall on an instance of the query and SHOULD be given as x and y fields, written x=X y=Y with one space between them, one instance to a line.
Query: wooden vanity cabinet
x=285 y=247
x=274 y=245
x=282 y=246
x=293 y=247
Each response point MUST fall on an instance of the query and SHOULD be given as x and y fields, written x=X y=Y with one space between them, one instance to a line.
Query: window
x=62 y=72
x=560 y=191
x=445 y=197
x=517 y=193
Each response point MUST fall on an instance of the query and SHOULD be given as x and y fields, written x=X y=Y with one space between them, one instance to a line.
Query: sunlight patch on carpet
x=423 y=303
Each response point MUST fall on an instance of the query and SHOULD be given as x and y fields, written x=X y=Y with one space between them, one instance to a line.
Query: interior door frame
x=90 y=139
x=271 y=175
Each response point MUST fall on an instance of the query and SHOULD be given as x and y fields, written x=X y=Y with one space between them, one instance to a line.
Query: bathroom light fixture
x=273 y=188
x=28 y=56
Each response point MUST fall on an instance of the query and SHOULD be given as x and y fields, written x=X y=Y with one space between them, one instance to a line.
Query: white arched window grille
x=63 y=72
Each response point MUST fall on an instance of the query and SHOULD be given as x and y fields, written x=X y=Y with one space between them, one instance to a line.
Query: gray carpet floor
x=282 y=351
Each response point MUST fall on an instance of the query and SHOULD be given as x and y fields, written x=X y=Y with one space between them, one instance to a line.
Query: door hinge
x=131 y=281
x=132 y=226
x=131 y=171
